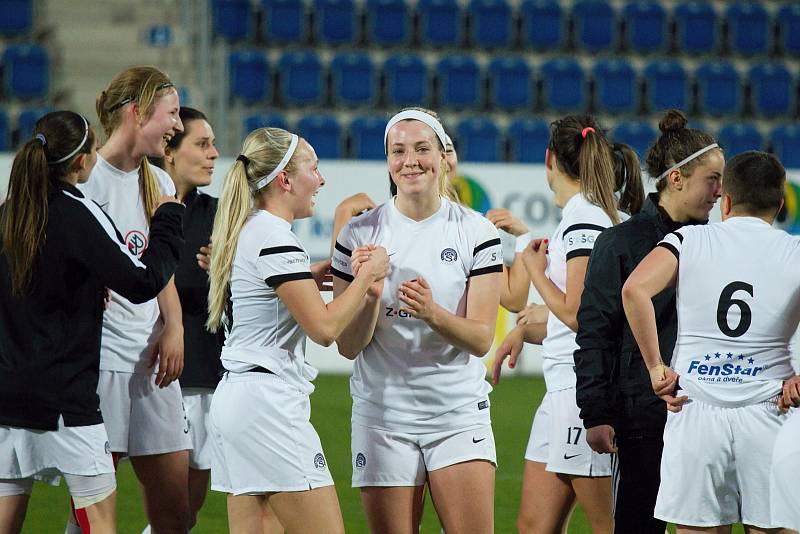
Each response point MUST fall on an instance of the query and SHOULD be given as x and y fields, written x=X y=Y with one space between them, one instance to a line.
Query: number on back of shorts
x=573 y=434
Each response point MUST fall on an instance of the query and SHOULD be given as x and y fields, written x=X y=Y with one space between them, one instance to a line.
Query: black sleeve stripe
x=273 y=281
x=485 y=270
x=344 y=250
x=584 y=226
x=339 y=274
x=579 y=253
x=487 y=244
x=678 y=235
x=671 y=248
x=280 y=250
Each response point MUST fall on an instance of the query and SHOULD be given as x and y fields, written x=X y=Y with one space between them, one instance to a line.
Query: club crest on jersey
x=319 y=461
x=361 y=461
x=449 y=255
x=136 y=242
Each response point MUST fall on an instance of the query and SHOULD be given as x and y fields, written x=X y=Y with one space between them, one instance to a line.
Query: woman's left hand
x=417 y=297
x=321 y=271
x=534 y=257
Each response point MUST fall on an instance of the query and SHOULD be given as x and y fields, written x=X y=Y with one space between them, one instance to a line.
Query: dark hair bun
x=672 y=121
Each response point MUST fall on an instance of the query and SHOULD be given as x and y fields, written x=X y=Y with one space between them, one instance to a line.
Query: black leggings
x=639 y=463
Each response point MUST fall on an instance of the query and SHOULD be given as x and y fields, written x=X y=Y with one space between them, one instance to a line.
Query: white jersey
x=409 y=378
x=259 y=330
x=581 y=223
x=738 y=307
x=129 y=330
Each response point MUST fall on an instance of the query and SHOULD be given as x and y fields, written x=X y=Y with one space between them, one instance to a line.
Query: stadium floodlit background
x=497 y=71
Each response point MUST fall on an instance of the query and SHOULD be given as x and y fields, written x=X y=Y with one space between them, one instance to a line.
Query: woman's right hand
x=533 y=313
x=371 y=261
x=506 y=221
x=510 y=347
x=353 y=205
x=166 y=199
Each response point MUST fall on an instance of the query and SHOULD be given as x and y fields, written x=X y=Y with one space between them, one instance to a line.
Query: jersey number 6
x=725 y=303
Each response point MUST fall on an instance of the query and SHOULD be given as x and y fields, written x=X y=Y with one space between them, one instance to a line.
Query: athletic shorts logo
x=482 y=405
x=108 y=447
x=477 y=440
x=449 y=255
x=570 y=456
x=136 y=242
x=319 y=461
x=361 y=461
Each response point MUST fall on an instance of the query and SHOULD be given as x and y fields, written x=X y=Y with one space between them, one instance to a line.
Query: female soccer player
x=263 y=292
x=584 y=170
x=143 y=409
x=420 y=401
x=617 y=405
x=60 y=252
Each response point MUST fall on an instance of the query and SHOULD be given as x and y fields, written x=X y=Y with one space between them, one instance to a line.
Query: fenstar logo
x=727 y=372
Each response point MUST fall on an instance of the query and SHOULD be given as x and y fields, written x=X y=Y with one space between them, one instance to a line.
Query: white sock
x=146 y=530
x=72 y=528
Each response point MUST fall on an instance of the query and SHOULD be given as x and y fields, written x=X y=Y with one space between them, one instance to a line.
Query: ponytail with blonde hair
x=143 y=85
x=261 y=153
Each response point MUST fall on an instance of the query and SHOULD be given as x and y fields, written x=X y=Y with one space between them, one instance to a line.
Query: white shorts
x=262 y=437
x=558 y=438
x=387 y=458
x=783 y=479
x=197 y=404
x=46 y=454
x=715 y=465
x=142 y=418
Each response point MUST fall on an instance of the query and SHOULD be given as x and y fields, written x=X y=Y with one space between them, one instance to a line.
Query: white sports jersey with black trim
x=581 y=223
x=409 y=378
x=129 y=330
x=738 y=299
x=259 y=330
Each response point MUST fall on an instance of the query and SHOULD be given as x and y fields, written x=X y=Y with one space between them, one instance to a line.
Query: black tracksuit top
x=613 y=384
x=50 y=335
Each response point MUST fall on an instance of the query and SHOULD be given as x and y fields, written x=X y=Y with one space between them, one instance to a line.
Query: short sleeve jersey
x=581 y=223
x=409 y=378
x=259 y=330
x=129 y=330
x=738 y=299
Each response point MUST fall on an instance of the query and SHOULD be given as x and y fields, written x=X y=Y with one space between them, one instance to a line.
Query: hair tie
x=41 y=138
x=586 y=130
x=244 y=159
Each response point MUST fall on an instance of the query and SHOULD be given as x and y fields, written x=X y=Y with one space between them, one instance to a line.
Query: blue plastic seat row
x=16 y=18
x=12 y=134
x=642 y=25
x=524 y=140
x=26 y=70
x=510 y=84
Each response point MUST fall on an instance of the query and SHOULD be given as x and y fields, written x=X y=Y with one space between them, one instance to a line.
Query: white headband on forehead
x=684 y=161
x=413 y=114
x=264 y=182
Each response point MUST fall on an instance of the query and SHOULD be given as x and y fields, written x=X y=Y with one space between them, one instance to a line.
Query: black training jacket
x=613 y=385
x=202 y=365
x=50 y=336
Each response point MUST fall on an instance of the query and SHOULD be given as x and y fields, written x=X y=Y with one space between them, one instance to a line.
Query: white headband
x=80 y=145
x=264 y=182
x=413 y=114
x=687 y=160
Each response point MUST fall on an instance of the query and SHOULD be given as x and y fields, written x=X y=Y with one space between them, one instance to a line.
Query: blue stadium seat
x=440 y=23
x=595 y=25
x=639 y=135
x=666 y=86
x=300 y=79
x=738 y=138
x=479 y=140
x=748 y=28
x=388 y=22
x=231 y=19
x=354 y=80
x=4 y=132
x=527 y=140
x=263 y=120
x=459 y=82
x=563 y=85
x=26 y=120
x=789 y=28
x=285 y=21
x=324 y=134
x=772 y=89
x=16 y=17
x=407 y=81
x=697 y=28
x=646 y=26
x=366 y=137
x=786 y=145
x=543 y=24
x=510 y=83
x=491 y=23
x=615 y=86
x=249 y=76
x=719 y=90
x=27 y=71
x=335 y=22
